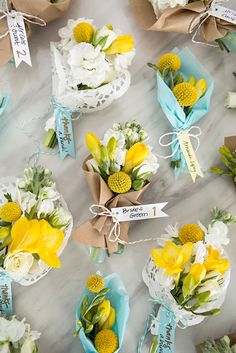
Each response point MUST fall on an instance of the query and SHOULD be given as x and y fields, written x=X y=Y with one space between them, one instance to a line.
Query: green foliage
x=227 y=158
x=223 y=216
x=220 y=346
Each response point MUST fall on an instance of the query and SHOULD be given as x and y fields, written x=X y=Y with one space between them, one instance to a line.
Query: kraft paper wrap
x=230 y=142
x=181 y=19
x=40 y=8
x=232 y=338
x=95 y=232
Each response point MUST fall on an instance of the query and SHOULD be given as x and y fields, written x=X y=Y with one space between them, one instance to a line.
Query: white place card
x=139 y=212
x=223 y=13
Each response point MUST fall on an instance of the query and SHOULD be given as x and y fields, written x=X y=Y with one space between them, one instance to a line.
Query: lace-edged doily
x=10 y=183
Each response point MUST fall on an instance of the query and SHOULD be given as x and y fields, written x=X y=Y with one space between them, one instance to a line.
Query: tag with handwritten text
x=19 y=40
x=6 y=308
x=223 y=13
x=189 y=155
x=65 y=136
x=165 y=330
x=134 y=213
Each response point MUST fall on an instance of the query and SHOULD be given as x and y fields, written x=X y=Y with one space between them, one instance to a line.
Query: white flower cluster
x=162 y=5
x=87 y=64
x=16 y=336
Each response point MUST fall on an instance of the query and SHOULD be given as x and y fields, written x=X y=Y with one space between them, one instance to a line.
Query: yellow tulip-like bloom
x=37 y=237
x=201 y=87
x=195 y=276
x=186 y=94
x=171 y=61
x=215 y=262
x=190 y=233
x=119 y=182
x=111 y=147
x=83 y=32
x=106 y=341
x=122 y=44
x=95 y=283
x=111 y=319
x=135 y=156
x=10 y=212
x=94 y=146
x=172 y=258
x=106 y=307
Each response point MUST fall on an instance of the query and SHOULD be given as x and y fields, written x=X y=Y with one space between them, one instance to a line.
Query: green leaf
x=88 y=329
x=102 y=42
x=152 y=66
x=8 y=197
x=84 y=305
x=97 y=300
x=166 y=71
x=178 y=79
x=97 y=316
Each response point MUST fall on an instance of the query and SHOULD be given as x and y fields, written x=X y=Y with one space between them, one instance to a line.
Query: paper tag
x=3 y=5
x=223 y=13
x=189 y=155
x=19 y=40
x=6 y=307
x=65 y=136
x=166 y=330
x=139 y=212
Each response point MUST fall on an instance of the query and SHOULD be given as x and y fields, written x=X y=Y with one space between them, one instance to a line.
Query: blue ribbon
x=4 y=104
x=6 y=307
x=64 y=130
x=166 y=328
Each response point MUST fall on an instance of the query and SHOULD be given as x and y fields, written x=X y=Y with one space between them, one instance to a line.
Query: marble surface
x=50 y=304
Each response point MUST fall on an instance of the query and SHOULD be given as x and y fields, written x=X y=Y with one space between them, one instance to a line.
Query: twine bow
x=27 y=17
x=175 y=140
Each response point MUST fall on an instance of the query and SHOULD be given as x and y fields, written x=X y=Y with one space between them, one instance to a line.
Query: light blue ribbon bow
x=6 y=306
x=64 y=130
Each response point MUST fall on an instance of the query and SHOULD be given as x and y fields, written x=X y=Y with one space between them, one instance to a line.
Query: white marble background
x=50 y=304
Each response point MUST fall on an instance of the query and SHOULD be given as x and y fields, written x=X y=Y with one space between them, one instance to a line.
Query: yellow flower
x=119 y=182
x=111 y=319
x=106 y=341
x=106 y=307
x=10 y=212
x=135 y=156
x=195 y=276
x=186 y=94
x=95 y=283
x=201 y=87
x=122 y=44
x=111 y=147
x=37 y=237
x=171 y=61
x=172 y=258
x=190 y=233
x=83 y=32
x=94 y=146
x=214 y=262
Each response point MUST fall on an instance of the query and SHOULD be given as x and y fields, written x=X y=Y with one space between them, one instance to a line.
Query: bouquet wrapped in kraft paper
x=118 y=173
x=37 y=12
x=184 y=16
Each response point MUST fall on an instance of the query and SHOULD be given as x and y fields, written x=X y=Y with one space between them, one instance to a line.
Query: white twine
x=114 y=234
x=202 y=18
x=27 y=17
x=173 y=141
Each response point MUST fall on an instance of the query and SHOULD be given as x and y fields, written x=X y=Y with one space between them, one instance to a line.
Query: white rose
x=216 y=235
x=18 y=264
x=11 y=330
x=88 y=65
x=106 y=32
x=161 y=5
x=28 y=346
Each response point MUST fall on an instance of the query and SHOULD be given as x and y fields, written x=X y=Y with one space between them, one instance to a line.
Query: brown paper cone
x=96 y=231
x=180 y=19
x=232 y=338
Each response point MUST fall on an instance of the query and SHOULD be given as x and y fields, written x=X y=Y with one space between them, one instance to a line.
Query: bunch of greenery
x=220 y=346
x=227 y=158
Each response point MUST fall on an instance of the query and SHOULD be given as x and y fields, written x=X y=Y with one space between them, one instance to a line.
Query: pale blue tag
x=6 y=307
x=166 y=330
x=64 y=129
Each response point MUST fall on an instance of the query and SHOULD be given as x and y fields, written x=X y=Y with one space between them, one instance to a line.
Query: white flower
x=59 y=218
x=213 y=284
x=18 y=265
x=11 y=330
x=161 y=5
x=119 y=158
x=171 y=233
x=216 y=235
x=50 y=123
x=106 y=32
x=123 y=61
x=149 y=165
x=88 y=65
x=118 y=135
x=199 y=251
x=26 y=200
x=5 y=348
x=92 y=165
x=28 y=346
x=45 y=207
x=230 y=100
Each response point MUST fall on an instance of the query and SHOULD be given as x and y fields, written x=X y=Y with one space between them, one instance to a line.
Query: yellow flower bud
x=111 y=147
x=111 y=319
x=192 y=80
x=106 y=306
x=4 y=232
x=201 y=87
x=83 y=32
x=122 y=44
x=94 y=146
x=195 y=276
x=135 y=156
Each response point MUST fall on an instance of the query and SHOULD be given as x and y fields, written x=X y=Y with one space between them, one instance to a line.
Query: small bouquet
x=230 y=100
x=89 y=70
x=3 y=102
x=188 y=277
x=184 y=93
x=209 y=19
x=102 y=314
x=226 y=344
x=17 y=336
x=228 y=159
x=38 y=12
x=118 y=172
x=35 y=225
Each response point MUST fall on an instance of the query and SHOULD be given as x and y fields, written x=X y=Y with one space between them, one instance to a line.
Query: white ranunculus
x=106 y=32
x=28 y=346
x=199 y=251
x=216 y=235
x=18 y=264
x=88 y=65
x=230 y=100
x=11 y=330
x=123 y=61
x=162 y=5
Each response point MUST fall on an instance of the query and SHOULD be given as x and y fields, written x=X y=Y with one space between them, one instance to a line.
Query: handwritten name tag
x=166 y=330
x=223 y=13
x=139 y=212
x=65 y=137
x=19 y=40
x=5 y=295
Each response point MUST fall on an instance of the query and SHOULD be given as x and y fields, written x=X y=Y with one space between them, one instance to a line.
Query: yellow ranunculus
x=135 y=156
x=195 y=276
x=214 y=262
x=122 y=44
x=37 y=237
x=172 y=258
x=94 y=146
